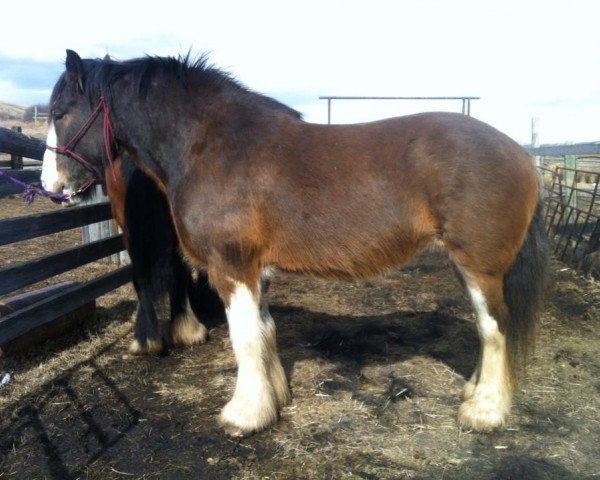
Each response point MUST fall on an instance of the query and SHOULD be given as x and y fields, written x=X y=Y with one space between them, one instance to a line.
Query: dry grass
x=12 y=109
x=376 y=368
x=37 y=129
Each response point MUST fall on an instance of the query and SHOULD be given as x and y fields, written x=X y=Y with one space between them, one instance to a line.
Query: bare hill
x=12 y=115
x=11 y=110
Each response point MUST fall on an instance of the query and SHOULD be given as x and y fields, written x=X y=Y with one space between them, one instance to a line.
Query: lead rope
x=30 y=190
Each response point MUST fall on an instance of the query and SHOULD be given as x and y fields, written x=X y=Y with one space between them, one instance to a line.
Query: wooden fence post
x=16 y=161
x=98 y=231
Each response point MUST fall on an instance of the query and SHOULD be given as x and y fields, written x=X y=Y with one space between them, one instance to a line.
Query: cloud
x=11 y=93
x=27 y=81
x=28 y=73
x=523 y=58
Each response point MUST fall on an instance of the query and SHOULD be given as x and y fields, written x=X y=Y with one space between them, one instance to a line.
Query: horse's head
x=76 y=152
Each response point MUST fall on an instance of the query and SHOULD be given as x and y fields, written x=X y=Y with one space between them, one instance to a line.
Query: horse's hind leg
x=470 y=385
x=489 y=391
x=261 y=388
x=185 y=327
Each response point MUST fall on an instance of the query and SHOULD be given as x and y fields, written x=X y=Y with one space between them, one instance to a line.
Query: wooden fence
x=43 y=310
x=23 y=274
x=24 y=152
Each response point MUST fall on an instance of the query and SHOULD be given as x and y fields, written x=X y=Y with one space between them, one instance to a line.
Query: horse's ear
x=106 y=58
x=75 y=71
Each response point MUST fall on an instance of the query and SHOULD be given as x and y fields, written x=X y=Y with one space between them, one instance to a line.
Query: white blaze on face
x=49 y=168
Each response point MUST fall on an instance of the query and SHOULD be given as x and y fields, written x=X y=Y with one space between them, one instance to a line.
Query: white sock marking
x=490 y=398
x=246 y=330
x=186 y=329
x=486 y=324
x=254 y=403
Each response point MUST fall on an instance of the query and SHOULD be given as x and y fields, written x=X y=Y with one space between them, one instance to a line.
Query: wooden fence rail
x=31 y=226
x=16 y=143
x=48 y=309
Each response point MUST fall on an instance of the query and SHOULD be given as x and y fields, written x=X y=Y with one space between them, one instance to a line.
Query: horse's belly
x=360 y=254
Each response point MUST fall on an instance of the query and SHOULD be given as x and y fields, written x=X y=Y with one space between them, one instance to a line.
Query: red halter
x=109 y=143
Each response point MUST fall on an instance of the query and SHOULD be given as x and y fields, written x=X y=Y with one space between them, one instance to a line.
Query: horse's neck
x=156 y=144
x=164 y=143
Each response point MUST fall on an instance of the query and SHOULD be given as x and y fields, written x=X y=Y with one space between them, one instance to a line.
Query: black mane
x=101 y=74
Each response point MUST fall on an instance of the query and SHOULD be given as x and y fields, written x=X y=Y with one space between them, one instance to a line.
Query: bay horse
x=163 y=282
x=252 y=187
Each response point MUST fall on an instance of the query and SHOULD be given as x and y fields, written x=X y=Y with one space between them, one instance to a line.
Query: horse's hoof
x=234 y=431
x=482 y=414
x=242 y=418
x=186 y=330
x=152 y=347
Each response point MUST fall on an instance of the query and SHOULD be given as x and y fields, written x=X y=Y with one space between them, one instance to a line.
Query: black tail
x=524 y=288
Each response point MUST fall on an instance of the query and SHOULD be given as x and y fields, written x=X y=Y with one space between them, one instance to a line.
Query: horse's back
x=439 y=160
x=436 y=140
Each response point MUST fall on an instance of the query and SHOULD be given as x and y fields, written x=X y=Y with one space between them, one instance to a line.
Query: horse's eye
x=57 y=114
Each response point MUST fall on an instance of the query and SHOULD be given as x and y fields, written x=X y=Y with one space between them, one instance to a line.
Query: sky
x=525 y=58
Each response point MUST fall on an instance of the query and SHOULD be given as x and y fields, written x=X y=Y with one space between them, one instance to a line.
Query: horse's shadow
x=355 y=342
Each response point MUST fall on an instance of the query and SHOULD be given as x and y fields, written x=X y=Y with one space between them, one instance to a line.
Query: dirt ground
x=376 y=369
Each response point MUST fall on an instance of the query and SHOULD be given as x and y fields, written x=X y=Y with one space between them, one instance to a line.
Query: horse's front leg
x=261 y=388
